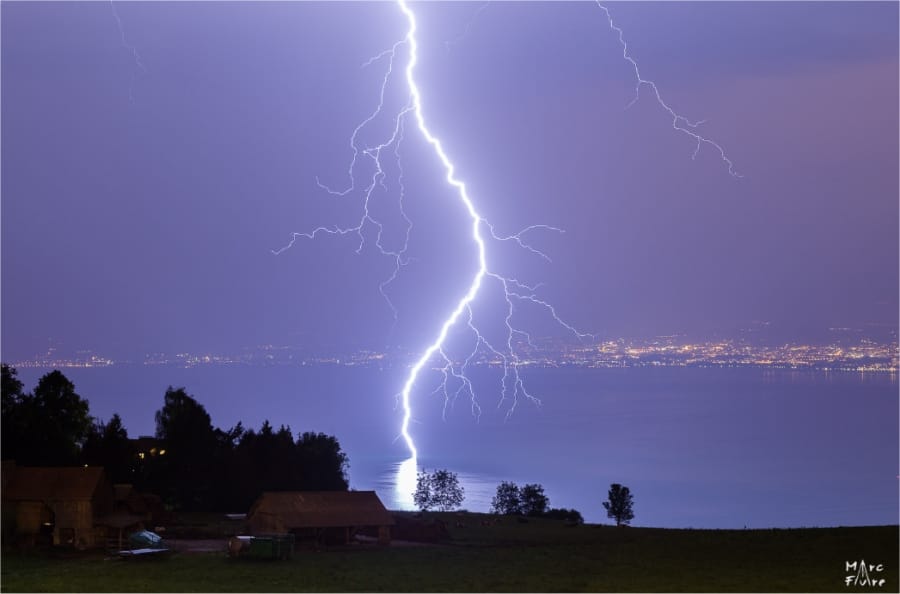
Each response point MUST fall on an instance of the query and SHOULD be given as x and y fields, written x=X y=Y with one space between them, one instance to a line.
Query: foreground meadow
x=540 y=555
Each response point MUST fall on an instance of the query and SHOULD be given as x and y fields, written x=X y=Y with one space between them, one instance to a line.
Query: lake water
x=717 y=448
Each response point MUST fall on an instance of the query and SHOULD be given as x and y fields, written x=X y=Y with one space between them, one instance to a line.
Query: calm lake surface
x=712 y=448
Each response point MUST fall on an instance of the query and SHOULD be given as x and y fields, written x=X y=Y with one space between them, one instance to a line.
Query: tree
x=11 y=386
x=108 y=446
x=507 y=499
x=48 y=427
x=185 y=475
x=182 y=418
x=533 y=502
x=270 y=460
x=440 y=490
x=322 y=464
x=14 y=424
x=570 y=516
x=529 y=500
x=619 y=505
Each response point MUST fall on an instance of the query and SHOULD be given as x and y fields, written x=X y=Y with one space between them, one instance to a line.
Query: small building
x=147 y=446
x=57 y=505
x=131 y=511
x=324 y=517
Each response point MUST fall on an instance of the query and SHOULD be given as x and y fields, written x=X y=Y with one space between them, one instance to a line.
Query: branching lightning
x=449 y=44
x=679 y=122
x=455 y=380
x=130 y=48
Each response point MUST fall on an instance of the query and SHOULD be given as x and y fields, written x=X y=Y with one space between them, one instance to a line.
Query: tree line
x=190 y=464
x=441 y=490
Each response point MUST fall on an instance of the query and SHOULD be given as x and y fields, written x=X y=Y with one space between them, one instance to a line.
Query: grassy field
x=541 y=555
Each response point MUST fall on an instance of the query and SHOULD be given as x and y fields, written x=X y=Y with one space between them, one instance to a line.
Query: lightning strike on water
x=455 y=381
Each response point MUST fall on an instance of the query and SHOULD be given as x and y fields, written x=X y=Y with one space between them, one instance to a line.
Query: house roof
x=318 y=509
x=53 y=483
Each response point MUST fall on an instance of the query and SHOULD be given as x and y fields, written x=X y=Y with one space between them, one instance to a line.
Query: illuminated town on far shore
x=860 y=355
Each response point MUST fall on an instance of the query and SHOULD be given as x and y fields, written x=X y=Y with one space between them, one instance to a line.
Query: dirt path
x=198 y=546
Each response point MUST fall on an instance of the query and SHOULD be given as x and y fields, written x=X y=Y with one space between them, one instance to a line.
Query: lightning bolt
x=449 y=44
x=513 y=289
x=372 y=186
x=679 y=122
x=130 y=48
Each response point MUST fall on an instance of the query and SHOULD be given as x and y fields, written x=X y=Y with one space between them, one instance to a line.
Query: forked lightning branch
x=401 y=60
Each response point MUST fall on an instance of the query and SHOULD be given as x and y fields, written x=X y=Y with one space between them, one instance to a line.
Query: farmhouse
x=56 y=505
x=70 y=506
x=321 y=516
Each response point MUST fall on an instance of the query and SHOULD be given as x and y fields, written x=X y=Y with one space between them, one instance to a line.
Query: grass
x=541 y=555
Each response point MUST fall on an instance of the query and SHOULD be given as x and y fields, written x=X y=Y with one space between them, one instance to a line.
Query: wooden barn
x=132 y=511
x=57 y=505
x=323 y=517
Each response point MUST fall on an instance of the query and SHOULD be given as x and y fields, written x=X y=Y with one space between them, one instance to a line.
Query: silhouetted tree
x=11 y=387
x=507 y=499
x=224 y=466
x=253 y=466
x=197 y=466
x=48 y=426
x=529 y=500
x=272 y=458
x=323 y=466
x=232 y=437
x=184 y=476
x=619 y=504
x=440 y=490
x=269 y=460
x=533 y=501
x=571 y=516
x=13 y=427
x=107 y=445
x=182 y=419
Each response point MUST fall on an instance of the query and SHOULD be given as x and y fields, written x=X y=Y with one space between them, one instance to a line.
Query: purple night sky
x=139 y=206
x=156 y=154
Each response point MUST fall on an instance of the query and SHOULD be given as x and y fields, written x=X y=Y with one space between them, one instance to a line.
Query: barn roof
x=53 y=483
x=319 y=509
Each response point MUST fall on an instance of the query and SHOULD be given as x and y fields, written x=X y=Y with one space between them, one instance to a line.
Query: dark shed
x=324 y=515
x=58 y=504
